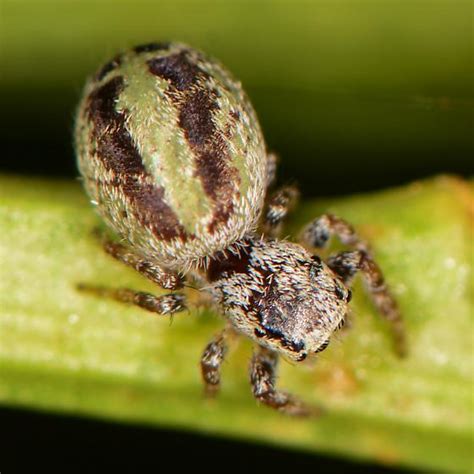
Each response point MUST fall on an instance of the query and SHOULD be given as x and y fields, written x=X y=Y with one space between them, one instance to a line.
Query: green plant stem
x=64 y=351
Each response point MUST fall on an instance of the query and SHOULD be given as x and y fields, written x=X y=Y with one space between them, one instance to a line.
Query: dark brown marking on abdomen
x=109 y=67
x=177 y=69
x=150 y=47
x=197 y=103
x=118 y=154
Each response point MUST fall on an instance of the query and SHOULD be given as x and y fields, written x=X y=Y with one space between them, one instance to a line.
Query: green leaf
x=64 y=351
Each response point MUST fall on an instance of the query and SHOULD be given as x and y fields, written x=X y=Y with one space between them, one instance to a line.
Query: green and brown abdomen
x=171 y=153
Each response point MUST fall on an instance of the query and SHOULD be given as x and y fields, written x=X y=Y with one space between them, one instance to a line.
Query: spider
x=173 y=158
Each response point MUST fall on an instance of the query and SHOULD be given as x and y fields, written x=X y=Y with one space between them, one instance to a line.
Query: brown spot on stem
x=340 y=381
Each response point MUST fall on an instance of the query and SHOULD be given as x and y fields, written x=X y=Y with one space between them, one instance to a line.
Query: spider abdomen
x=171 y=152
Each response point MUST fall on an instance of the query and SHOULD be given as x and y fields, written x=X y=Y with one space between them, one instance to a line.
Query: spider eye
x=302 y=357
x=322 y=346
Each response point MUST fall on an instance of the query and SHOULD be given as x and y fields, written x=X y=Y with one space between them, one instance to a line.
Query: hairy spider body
x=279 y=295
x=172 y=153
x=173 y=157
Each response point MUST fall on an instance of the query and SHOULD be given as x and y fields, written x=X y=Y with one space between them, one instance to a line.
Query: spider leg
x=164 y=304
x=161 y=276
x=347 y=264
x=263 y=368
x=280 y=203
x=318 y=233
x=211 y=362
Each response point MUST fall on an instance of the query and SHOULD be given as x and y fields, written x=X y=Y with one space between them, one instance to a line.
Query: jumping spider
x=173 y=157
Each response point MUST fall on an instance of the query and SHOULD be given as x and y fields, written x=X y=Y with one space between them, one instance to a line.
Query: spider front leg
x=347 y=264
x=280 y=203
x=262 y=377
x=318 y=233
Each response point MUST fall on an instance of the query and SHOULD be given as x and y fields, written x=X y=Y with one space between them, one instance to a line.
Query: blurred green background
x=354 y=95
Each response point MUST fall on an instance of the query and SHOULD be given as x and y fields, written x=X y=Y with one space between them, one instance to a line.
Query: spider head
x=284 y=298
x=302 y=304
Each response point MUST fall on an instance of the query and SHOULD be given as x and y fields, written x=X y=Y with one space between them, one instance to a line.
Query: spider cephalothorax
x=279 y=295
x=173 y=157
